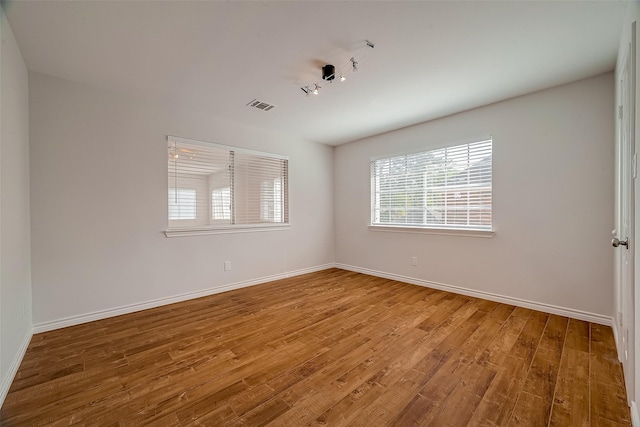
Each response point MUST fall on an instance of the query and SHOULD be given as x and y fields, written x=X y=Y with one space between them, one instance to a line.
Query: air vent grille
x=261 y=105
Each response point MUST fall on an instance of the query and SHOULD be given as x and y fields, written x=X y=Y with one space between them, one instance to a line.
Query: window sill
x=184 y=232
x=433 y=230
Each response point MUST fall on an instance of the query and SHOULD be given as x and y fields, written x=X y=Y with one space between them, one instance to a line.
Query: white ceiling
x=430 y=58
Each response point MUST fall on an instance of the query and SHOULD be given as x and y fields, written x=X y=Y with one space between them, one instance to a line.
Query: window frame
x=213 y=228
x=445 y=229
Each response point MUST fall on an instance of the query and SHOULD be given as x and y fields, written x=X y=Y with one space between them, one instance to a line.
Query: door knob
x=616 y=242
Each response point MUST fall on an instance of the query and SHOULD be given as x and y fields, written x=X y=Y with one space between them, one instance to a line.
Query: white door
x=626 y=171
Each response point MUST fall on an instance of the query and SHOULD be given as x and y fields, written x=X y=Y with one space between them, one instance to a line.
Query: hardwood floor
x=325 y=349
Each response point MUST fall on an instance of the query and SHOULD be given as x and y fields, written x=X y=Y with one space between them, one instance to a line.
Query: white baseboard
x=547 y=308
x=103 y=314
x=635 y=415
x=13 y=369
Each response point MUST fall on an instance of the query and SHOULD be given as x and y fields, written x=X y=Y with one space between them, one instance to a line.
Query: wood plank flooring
x=330 y=348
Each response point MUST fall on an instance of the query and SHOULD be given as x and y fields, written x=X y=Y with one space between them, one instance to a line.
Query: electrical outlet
x=227 y=266
x=414 y=261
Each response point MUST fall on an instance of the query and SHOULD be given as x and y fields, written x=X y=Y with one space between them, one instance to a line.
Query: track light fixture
x=311 y=89
x=329 y=73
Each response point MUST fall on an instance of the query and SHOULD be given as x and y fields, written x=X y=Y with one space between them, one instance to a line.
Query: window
x=221 y=204
x=213 y=187
x=182 y=203
x=272 y=196
x=446 y=188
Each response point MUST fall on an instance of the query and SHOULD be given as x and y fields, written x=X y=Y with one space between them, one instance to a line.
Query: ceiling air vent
x=260 y=105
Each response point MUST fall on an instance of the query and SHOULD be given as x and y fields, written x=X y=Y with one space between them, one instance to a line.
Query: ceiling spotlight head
x=342 y=78
x=328 y=72
x=315 y=89
x=354 y=63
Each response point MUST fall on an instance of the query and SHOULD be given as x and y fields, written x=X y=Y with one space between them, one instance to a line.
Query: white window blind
x=182 y=203
x=272 y=201
x=254 y=189
x=221 y=204
x=227 y=186
x=444 y=188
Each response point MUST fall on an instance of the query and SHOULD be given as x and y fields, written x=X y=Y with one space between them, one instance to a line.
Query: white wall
x=99 y=204
x=15 y=258
x=552 y=200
